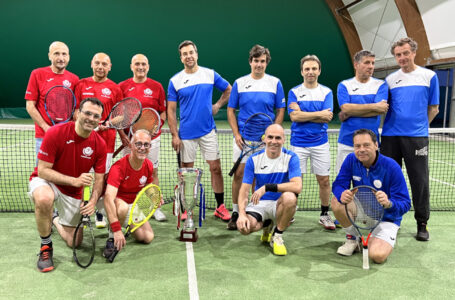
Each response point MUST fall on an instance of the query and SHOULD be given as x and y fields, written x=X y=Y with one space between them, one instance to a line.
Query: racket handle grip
x=366 y=262
x=236 y=165
x=86 y=195
x=113 y=255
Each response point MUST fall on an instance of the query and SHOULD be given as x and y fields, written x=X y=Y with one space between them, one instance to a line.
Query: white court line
x=443 y=182
x=192 y=278
x=443 y=162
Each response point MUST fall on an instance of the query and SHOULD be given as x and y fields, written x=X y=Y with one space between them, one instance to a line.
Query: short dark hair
x=187 y=43
x=361 y=54
x=309 y=57
x=365 y=131
x=402 y=42
x=258 y=51
x=92 y=100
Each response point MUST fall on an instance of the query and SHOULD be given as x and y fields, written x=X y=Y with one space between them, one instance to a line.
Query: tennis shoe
x=109 y=249
x=45 y=261
x=159 y=215
x=349 y=247
x=326 y=221
x=184 y=216
x=100 y=221
x=232 y=225
x=266 y=235
x=277 y=245
x=222 y=213
x=422 y=233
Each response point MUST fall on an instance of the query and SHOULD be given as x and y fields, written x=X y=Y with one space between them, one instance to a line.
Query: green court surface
x=231 y=266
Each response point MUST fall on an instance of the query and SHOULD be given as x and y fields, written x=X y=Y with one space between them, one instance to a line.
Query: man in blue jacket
x=367 y=167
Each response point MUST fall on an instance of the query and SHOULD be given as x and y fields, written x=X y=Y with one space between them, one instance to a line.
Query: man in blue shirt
x=192 y=88
x=310 y=106
x=367 y=167
x=414 y=101
x=251 y=94
x=362 y=100
x=276 y=174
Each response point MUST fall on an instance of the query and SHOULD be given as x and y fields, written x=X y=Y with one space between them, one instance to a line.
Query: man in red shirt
x=109 y=93
x=126 y=178
x=151 y=94
x=41 y=80
x=67 y=154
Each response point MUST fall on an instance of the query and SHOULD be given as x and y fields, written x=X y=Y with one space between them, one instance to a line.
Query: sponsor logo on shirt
x=87 y=152
x=131 y=89
x=248 y=86
x=356 y=89
x=186 y=81
x=69 y=141
x=87 y=88
x=143 y=180
x=66 y=83
x=262 y=168
x=302 y=96
x=88 y=94
x=148 y=92
x=126 y=178
x=106 y=92
x=43 y=153
x=28 y=92
x=50 y=79
x=356 y=178
x=377 y=183
x=397 y=82
x=422 y=152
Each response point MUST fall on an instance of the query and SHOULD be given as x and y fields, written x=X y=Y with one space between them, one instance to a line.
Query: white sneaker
x=159 y=215
x=100 y=220
x=349 y=247
x=327 y=222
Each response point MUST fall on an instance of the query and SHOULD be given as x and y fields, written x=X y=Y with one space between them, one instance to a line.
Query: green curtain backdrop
x=224 y=31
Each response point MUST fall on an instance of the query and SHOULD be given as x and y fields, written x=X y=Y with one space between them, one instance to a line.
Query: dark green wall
x=224 y=31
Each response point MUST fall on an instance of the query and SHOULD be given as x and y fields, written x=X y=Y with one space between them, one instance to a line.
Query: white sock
x=351 y=231
x=235 y=207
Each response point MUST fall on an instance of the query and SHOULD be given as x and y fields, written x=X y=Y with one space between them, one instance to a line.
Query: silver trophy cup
x=188 y=190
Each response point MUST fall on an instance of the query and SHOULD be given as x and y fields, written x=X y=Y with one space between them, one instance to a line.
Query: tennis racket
x=59 y=104
x=149 y=120
x=252 y=133
x=83 y=238
x=143 y=208
x=365 y=213
x=124 y=114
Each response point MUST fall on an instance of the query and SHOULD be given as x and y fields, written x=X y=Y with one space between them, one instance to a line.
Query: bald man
x=41 y=80
x=151 y=94
x=274 y=200
x=108 y=92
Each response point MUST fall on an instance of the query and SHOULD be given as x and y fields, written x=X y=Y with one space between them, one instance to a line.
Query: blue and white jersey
x=385 y=175
x=194 y=93
x=310 y=134
x=266 y=170
x=354 y=92
x=410 y=95
x=251 y=96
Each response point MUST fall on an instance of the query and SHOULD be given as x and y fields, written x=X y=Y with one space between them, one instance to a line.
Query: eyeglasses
x=90 y=114
x=139 y=145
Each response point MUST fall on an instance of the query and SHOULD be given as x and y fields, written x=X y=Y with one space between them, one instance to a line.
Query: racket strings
x=125 y=113
x=255 y=127
x=145 y=204
x=59 y=102
x=368 y=211
x=149 y=120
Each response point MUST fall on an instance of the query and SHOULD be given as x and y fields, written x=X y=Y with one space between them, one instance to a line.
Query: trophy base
x=188 y=236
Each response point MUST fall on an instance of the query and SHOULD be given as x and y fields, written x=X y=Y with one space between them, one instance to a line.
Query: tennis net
x=17 y=160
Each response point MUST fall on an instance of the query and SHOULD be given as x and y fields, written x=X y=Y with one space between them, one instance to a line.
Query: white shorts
x=236 y=152
x=208 y=144
x=266 y=208
x=102 y=210
x=68 y=207
x=154 y=153
x=320 y=158
x=342 y=152
x=386 y=231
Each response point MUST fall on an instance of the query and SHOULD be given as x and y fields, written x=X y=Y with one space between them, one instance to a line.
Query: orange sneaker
x=222 y=213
